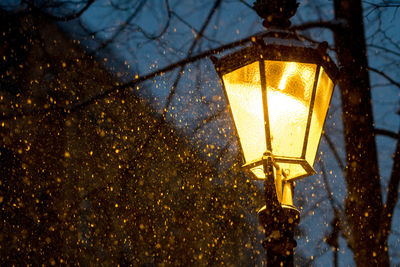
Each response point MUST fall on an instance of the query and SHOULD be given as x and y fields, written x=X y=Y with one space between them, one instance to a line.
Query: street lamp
x=278 y=91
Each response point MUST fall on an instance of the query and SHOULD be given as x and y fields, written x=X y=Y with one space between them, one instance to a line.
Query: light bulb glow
x=290 y=69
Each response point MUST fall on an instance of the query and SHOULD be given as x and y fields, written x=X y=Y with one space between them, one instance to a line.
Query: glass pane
x=289 y=89
x=243 y=88
x=258 y=172
x=322 y=99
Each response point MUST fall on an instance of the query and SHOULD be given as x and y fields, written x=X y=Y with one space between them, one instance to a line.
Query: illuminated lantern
x=278 y=92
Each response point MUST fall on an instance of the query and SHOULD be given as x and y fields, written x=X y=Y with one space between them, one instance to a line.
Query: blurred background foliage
x=111 y=182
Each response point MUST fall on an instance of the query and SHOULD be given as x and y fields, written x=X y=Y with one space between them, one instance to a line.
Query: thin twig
x=334 y=151
x=65 y=18
x=140 y=79
x=384 y=75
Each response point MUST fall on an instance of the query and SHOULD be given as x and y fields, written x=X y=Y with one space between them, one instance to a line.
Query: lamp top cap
x=276 y=13
x=271 y=46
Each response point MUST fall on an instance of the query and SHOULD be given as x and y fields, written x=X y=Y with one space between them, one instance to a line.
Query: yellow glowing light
x=289 y=87
x=245 y=99
x=290 y=69
x=288 y=118
x=321 y=105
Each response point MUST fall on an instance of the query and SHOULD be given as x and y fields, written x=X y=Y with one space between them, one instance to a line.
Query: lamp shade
x=278 y=96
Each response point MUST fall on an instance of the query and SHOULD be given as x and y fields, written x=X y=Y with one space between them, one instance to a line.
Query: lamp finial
x=276 y=13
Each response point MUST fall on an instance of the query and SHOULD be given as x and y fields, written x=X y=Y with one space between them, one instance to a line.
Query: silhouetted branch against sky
x=42 y=9
x=392 y=81
x=160 y=72
x=383 y=3
x=393 y=191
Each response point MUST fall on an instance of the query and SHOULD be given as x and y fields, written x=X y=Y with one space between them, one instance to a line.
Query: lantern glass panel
x=243 y=89
x=258 y=171
x=321 y=105
x=289 y=90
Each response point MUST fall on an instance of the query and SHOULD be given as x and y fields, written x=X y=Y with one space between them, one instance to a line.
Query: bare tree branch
x=387 y=133
x=334 y=151
x=58 y=18
x=246 y=4
x=385 y=49
x=392 y=196
x=328 y=189
x=384 y=75
x=384 y=4
x=190 y=52
x=137 y=80
x=334 y=26
x=123 y=26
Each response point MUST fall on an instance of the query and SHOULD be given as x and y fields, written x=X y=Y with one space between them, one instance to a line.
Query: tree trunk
x=364 y=199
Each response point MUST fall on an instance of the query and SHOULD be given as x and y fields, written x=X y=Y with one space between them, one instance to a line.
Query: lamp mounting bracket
x=276 y=13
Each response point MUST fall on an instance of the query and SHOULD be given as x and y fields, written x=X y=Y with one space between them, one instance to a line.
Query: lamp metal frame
x=260 y=51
